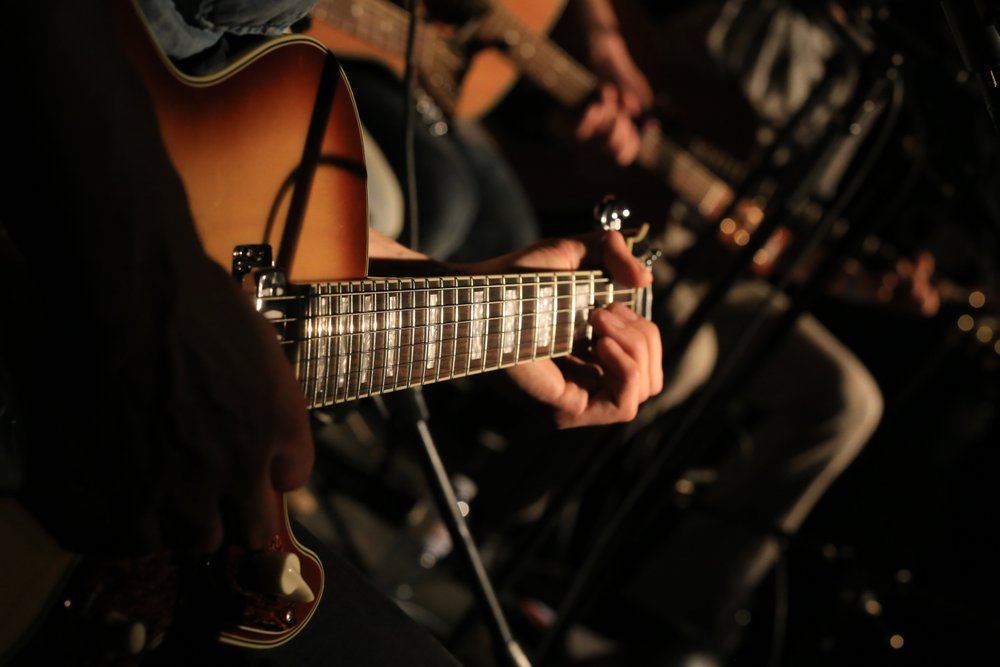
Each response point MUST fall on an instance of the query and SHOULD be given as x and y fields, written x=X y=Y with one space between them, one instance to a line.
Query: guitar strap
x=327 y=91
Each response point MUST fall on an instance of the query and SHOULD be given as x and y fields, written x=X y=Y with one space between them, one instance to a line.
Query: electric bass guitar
x=270 y=153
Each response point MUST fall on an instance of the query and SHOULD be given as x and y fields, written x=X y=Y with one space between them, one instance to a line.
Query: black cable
x=508 y=651
x=409 y=83
x=780 y=629
x=409 y=407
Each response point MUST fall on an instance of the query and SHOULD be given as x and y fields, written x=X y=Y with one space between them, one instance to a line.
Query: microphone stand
x=409 y=408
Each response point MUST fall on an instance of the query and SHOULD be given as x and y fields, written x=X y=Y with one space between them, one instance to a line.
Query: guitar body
x=238 y=136
x=487 y=77
x=491 y=73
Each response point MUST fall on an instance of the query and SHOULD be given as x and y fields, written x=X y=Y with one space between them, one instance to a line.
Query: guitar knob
x=610 y=214
x=278 y=573
x=122 y=635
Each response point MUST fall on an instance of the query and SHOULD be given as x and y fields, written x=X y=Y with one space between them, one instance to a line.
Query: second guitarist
x=471 y=204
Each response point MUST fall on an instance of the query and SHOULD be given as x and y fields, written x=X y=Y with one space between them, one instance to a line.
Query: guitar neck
x=362 y=338
x=380 y=23
x=384 y=27
x=553 y=70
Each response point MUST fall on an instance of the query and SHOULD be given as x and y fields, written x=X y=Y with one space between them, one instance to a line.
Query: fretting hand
x=625 y=368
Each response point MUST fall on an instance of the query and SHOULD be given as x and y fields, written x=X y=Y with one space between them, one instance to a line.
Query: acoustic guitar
x=270 y=153
x=469 y=69
x=466 y=82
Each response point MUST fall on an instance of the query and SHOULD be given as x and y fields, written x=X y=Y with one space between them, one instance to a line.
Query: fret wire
x=350 y=346
x=422 y=379
x=485 y=320
x=454 y=327
x=439 y=314
x=372 y=332
x=433 y=350
x=503 y=321
x=413 y=330
x=325 y=310
x=399 y=338
x=572 y=321
x=370 y=327
x=520 y=319
x=333 y=310
x=555 y=321
x=344 y=327
x=357 y=308
x=468 y=359
x=591 y=295
x=444 y=325
x=307 y=352
x=385 y=334
x=343 y=345
x=534 y=321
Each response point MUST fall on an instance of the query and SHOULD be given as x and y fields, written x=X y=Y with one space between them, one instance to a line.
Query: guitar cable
x=409 y=84
x=412 y=408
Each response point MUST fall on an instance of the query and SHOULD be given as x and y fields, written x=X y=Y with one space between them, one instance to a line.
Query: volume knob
x=279 y=573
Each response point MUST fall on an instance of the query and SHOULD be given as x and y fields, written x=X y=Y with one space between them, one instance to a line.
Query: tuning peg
x=650 y=255
x=611 y=213
x=279 y=573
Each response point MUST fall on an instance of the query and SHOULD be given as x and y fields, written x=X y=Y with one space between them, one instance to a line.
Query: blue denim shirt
x=186 y=28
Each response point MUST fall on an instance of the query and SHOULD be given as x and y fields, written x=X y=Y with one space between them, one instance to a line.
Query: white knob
x=280 y=573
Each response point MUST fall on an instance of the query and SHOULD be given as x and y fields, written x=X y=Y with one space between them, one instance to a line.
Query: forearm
x=596 y=15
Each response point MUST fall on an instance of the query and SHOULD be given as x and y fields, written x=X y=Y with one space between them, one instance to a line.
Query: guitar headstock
x=612 y=214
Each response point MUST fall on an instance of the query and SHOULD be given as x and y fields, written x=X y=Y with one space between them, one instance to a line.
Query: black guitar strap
x=327 y=91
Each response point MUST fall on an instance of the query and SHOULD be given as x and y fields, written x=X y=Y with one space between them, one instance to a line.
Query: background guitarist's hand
x=625 y=92
x=626 y=366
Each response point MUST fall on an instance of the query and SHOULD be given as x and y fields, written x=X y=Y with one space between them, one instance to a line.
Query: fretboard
x=362 y=338
x=384 y=25
x=555 y=71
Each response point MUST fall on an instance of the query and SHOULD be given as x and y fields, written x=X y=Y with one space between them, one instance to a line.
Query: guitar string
x=328 y=376
x=687 y=173
x=414 y=326
x=410 y=331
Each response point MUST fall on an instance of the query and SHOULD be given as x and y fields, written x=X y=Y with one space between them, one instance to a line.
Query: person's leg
x=810 y=409
x=447 y=191
x=506 y=219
